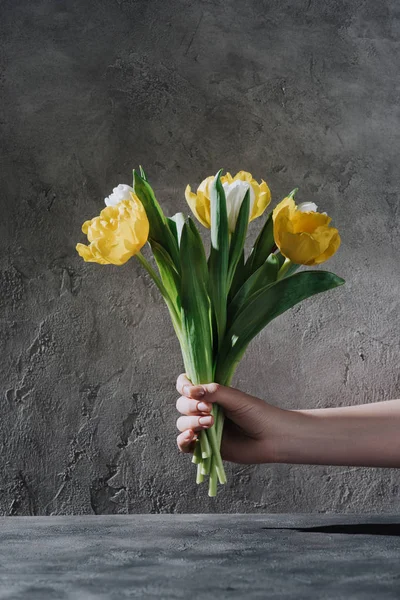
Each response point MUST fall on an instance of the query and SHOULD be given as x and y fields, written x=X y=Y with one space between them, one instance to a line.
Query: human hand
x=256 y=432
x=252 y=429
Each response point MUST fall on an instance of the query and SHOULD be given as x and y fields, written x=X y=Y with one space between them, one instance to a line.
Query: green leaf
x=142 y=173
x=195 y=309
x=264 y=306
x=238 y=238
x=263 y=247
x=172 y=227
x=169 y=275
x=159 y=229
x=219 y=255
x=238 y=277
x=265 y=275
x=199 y=244
x=281 y=259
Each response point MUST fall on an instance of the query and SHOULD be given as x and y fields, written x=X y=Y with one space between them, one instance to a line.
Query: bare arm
x=364 y=435
x=255 y=432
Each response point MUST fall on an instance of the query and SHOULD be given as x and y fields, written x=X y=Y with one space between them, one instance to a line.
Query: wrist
x=293 y=436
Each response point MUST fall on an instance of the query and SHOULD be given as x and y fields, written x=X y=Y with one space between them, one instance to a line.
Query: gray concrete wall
x=301 y=93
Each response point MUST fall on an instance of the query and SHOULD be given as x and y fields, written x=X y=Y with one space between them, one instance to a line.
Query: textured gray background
x=298 y=92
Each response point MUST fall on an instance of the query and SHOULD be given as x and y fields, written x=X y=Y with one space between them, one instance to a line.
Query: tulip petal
x=205 y=185
x=235 y=193
x=288 y=203
x=304 y=237
x=197 y=203
x=300 y=248
x=86 y=253
x=117 y=234
x=243 y=176
x=85 y=226
x=309 y=221
x=282 y=221
x=235 y=189
x=121 y=192
x=226 y=178
x=323 y=235
x=262 y=200
x=331 y=249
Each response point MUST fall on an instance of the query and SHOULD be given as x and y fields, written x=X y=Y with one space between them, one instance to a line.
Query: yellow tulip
x=302 y=234
x=117 y=234
x=235 y=190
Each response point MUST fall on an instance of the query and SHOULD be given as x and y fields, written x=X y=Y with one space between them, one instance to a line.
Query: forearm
x=364 y=435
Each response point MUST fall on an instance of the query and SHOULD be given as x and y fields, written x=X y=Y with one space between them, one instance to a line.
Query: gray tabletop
x=200 y=556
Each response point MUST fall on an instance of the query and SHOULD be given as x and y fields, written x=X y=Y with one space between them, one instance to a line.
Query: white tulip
x=121 y=192
x=235 y=193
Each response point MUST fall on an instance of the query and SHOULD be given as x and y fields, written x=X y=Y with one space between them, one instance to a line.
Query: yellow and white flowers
x=235 y=189
x=220 y=302
x=117 y=234
x=302 y=234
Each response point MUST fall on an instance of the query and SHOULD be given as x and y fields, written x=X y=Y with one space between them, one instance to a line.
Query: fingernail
x=212 y=387
x=188 y=435
x=203 y=407
x=186 y=390
x=205 y=420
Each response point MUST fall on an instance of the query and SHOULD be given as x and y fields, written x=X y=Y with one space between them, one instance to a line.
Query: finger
x=181 y=381
x=197 y=392
x=236 y=403
x=233 y=401
x=186 y=441
x=195 y=423
x=186 y=388
x=192 y=407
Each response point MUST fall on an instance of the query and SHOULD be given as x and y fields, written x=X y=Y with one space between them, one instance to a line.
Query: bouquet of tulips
x=219 y=303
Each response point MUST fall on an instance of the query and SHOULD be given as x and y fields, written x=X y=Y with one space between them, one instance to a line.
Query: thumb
x=243 y=409
x=227 y=397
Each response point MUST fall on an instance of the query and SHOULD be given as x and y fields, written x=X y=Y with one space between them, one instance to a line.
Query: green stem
x=145 y=263
x=205 y=466
x=197 y=458
x=207 y=454
x=200 y=476
x=176 y=321
x=220 y=425
x=205 y=445
x=215 y=446
x=213 y=481
x=287 y=269
x=284 y=269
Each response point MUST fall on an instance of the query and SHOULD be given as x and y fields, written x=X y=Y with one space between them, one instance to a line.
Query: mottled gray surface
x=200 y=556
x=300 y=93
